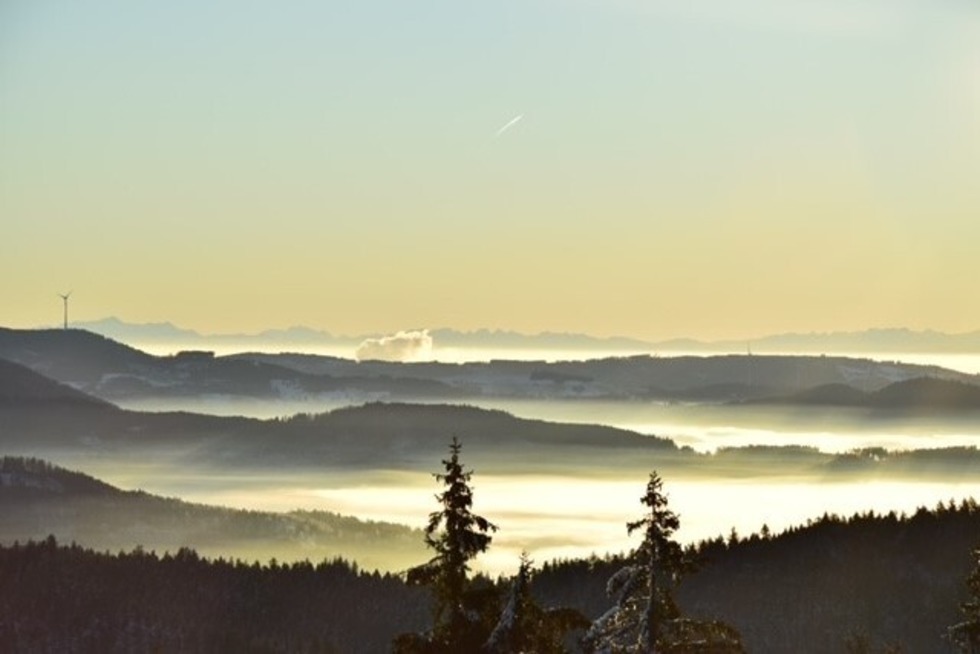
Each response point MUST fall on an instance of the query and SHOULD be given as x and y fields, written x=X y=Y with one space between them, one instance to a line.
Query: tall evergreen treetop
x=662 y=557
x=645 y=618
x=457 y=535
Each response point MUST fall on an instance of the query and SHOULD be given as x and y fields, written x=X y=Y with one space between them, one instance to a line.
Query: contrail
x=513 y=121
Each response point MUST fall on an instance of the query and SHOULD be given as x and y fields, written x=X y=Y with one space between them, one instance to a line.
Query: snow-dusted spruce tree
x=457 y=535
x=966 y=634
x=526 y=627
x=644 y=618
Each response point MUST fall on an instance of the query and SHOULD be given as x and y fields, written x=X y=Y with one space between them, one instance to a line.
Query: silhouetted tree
x=645 y=617
x=457 y=535
x=966 y=634
x=662 y=556
x=526 y=627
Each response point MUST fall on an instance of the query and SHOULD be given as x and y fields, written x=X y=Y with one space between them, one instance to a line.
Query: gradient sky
x=704 y=168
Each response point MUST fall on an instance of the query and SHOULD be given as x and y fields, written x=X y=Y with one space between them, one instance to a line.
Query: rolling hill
x=38 y=499
x=113 y=371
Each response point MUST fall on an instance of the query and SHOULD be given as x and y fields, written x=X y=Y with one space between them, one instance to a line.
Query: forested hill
x=880 y=580
x=19 y=386
x=37 y=499
x=28 y=478
x=116 y=372
x=43 y=417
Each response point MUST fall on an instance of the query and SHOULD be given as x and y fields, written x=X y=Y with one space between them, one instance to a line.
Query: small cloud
x=403 y=346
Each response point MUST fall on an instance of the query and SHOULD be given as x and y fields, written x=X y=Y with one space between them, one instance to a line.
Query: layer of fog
x=551 y=516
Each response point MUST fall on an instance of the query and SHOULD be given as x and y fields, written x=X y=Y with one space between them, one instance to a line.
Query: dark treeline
x=885 y=581
x=67 y=599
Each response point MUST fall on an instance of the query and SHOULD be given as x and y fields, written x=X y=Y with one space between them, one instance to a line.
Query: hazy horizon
x=286 y=326
x=423 y=345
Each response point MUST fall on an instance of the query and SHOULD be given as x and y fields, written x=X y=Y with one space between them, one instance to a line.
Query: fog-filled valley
x=559 y=448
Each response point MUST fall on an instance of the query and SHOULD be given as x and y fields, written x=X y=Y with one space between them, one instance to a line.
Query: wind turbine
x=65 y=297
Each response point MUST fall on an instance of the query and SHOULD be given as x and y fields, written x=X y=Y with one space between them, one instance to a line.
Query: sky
x=655 y=169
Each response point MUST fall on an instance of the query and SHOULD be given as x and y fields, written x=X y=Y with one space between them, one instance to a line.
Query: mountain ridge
x=880 y=340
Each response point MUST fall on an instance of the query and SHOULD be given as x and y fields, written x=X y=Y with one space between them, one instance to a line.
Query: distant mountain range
x=877 y=341
x=166 y=333
x=112 y=371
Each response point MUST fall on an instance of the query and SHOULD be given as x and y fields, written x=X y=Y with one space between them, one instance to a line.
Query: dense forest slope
x=892 y=579
x=888 y=579
x=66 y=599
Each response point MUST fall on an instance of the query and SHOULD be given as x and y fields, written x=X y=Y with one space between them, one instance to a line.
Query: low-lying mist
x=580 y=512
x=708 y=427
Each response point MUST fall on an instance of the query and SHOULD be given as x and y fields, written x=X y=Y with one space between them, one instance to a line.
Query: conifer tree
x=966 y=634
x=645 y=618
x=510 y=633
x=662 y=557
x=457 y=535
x=526 y=627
